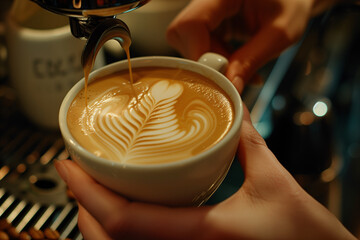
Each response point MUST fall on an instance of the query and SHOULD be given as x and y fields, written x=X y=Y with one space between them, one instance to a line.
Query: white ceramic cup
x=44 y=63
x=182 y=183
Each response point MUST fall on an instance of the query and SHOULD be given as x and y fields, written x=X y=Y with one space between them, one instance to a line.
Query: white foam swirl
x=151 y=130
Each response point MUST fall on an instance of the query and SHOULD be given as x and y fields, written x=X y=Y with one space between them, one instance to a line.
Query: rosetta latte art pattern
x=150 y=129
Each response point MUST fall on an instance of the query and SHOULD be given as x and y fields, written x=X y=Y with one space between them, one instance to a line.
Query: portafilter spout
x=111 y=28
x=86 y=15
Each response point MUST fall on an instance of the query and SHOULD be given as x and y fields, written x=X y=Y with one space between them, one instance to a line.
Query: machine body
x=85 y=15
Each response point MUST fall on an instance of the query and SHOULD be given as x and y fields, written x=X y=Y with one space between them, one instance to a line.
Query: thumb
x=256 y=159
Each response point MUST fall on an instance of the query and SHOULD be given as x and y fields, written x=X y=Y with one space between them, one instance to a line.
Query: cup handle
x=215 y=61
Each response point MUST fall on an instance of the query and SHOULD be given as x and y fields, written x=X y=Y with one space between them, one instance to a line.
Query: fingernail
x=238 y=83
x=61 y=169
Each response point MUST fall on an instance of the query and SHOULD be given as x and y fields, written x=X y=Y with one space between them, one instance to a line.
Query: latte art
x=164 y=120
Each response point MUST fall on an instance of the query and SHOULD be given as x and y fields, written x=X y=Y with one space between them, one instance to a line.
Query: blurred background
x=307 y=110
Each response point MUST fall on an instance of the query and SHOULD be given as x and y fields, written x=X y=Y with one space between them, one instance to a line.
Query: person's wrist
x=319 y=6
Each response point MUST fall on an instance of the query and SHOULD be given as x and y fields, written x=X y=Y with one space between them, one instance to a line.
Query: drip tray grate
x=32 y=195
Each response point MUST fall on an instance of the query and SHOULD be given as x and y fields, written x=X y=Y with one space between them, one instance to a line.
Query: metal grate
x=32 y=195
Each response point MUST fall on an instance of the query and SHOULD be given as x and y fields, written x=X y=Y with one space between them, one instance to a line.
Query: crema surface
x=165 y=115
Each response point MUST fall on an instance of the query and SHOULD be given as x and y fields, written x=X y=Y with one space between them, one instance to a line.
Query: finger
x=121 y=218
x=254 y=155
x=98 y=200
x=261 y=168
x=265 y=45
x=146 y=221
x=89 y=227
x=239 y=83
x=256 y=80
x=191 y=40
x=190 y=31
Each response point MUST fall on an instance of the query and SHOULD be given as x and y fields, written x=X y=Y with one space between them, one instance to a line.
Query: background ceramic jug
x=44 y=61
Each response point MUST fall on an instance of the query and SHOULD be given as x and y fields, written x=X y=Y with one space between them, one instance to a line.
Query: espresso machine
x=94 y=21
x=86 y=15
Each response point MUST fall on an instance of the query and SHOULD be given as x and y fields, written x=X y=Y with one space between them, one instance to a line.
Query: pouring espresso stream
x=112 y=28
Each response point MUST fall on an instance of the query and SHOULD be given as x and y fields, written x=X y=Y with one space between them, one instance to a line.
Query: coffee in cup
x=166 y=115
x=189 y=180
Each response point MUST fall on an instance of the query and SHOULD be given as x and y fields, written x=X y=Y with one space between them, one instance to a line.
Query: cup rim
x=121 y=65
